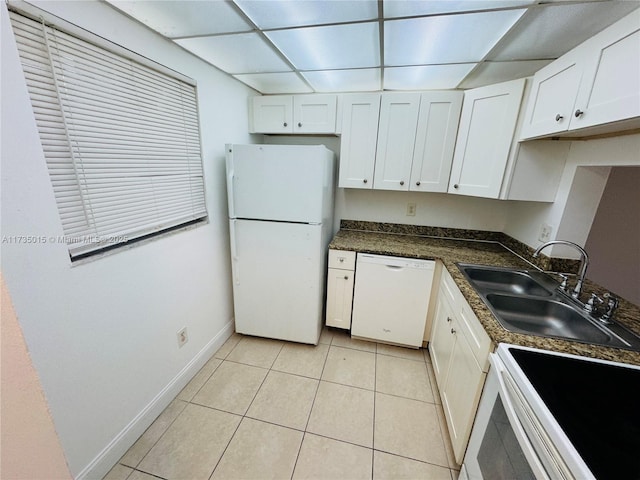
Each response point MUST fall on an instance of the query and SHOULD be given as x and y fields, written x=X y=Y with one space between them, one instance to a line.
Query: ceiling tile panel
x=431 y=77
x=412 y=8
x=239 y=53
x=275 y=82
x=333 y=47
x=296 y=13
x=445 y=39
x=185 y=18
x=496 y=72
x=361 y=80
x=551 y=30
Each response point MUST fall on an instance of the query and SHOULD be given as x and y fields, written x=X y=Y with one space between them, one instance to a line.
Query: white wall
x=30 y=447
x=581 y=186
x=102 y=335
x=432 y=209
x=614 y=240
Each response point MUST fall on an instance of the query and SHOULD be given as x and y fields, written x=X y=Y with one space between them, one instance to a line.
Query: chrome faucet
x=584 y=262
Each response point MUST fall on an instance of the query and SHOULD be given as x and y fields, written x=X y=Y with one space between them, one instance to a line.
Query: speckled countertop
x=484 y=248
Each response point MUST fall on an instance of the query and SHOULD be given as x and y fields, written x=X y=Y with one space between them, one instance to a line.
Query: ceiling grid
x=304 y=46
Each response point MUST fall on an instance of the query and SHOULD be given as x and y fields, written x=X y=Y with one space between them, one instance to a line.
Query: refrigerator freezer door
x=278 y=276
x=288 y=183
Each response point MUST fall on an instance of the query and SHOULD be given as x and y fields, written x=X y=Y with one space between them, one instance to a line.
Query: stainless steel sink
x=511 y=281
x=548 y=318
x=529 y=302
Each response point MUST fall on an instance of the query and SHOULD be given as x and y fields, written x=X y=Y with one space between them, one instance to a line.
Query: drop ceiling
x=304 y=46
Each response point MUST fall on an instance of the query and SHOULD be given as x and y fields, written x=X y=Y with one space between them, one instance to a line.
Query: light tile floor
x=260 y=409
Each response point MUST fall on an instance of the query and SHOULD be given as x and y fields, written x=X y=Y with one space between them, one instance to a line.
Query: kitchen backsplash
x=564 y=265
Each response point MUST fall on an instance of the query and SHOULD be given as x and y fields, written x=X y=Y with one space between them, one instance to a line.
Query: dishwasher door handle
x=395 y=267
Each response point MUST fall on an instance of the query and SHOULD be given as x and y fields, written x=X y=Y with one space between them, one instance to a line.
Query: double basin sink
x=529 y=302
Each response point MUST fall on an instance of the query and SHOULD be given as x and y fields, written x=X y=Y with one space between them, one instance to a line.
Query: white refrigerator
x=280 y=223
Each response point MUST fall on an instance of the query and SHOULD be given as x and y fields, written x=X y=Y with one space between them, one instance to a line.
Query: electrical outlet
x=183 y=337
x=411 y=209
x=545 y=232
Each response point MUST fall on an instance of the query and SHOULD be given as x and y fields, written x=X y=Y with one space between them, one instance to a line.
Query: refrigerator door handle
x=234 y=252
x=230 y=176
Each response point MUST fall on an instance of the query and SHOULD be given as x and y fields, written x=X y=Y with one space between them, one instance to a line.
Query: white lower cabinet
x=459 y=349
x=340 y=276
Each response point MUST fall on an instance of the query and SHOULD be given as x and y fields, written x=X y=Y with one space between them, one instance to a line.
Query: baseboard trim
x=110 y=455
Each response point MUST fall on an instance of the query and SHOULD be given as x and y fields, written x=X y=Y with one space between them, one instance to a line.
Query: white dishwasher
x=391 y=298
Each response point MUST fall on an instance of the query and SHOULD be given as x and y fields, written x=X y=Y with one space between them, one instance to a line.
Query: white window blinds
x=121 y=140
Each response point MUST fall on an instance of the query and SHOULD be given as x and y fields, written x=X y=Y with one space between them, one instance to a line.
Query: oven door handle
x=536 y=465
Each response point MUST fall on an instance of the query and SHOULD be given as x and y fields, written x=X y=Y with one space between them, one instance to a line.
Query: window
x=121 y=139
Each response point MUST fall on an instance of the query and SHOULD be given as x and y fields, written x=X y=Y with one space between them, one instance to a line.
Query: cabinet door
x=435 y=141
x=339 y=298
x=314 y=113
x=442 y=340
x=461 y=394
x=360 y=113
x=487 y=125
x=272 y=114
x=553 y=95
x=396 y=139
x=610 y=88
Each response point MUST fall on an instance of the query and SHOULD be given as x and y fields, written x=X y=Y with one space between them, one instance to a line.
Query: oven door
x=507 y=440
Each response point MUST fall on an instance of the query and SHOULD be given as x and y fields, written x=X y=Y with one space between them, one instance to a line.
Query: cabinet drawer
x=342 y=259
x=449 y=289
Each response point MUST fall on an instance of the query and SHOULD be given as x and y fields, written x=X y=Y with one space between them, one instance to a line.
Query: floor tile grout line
x=375 y=394
x=161 y=435
x=315 y=396
x=295 y=464
x=411 y=458
x=146 y=473
x=225 y=448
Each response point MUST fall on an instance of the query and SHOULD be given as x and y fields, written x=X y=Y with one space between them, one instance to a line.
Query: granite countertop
x=484 y=248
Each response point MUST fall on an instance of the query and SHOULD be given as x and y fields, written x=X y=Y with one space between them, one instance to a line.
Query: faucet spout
x=584 y=262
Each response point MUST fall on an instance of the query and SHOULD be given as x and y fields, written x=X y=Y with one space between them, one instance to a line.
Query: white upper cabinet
x=553 y=96
x=594 y=88
x=487 y=125
x=610 y=90
x=401 y=140
x=360 y=114
x=396 y=139
x=435 y=140
x=490 y=162
x=293 y=114
x=271 y=114
x=314 y=113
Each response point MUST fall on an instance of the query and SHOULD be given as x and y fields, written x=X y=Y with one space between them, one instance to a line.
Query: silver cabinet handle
x=559 y=117
x=579 y=113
